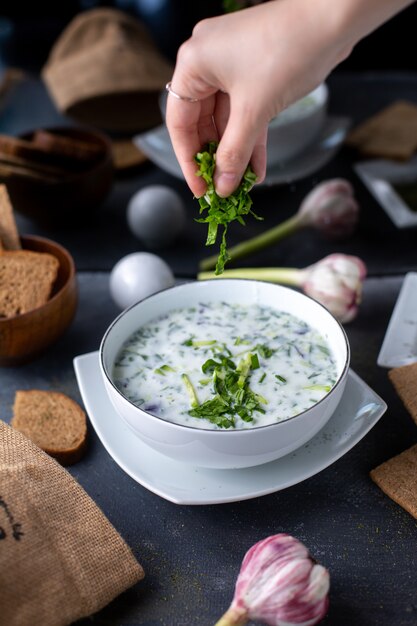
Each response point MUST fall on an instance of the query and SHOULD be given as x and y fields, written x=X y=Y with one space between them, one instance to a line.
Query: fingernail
x=226 y=184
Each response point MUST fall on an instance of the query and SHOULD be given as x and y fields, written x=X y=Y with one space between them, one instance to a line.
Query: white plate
x=379 y=176
x=400 y=342
x=156 y=145
x=358 y=411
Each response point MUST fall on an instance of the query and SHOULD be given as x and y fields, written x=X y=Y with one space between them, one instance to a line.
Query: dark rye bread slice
x=34 y=155
x=48 y=153
x=12 y=170
x=67 y=147
x=8 y=230
x=43 y=170
x=53 y=421
x=26 y=280
x=397 y=477
x=404 y=379
x=390 y=134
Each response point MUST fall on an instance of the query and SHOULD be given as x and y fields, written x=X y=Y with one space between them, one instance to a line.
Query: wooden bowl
x=53 y=199
x=23 y=337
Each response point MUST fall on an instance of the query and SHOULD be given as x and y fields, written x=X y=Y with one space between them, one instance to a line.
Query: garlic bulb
x=279 y=584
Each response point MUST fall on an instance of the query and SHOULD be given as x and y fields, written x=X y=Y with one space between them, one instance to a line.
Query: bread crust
x=53 y=421
x=49 y=153
x=8 y=230
x=26 y=280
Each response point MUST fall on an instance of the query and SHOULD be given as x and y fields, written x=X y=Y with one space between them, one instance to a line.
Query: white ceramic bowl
x=225 y=448
x=293 y=130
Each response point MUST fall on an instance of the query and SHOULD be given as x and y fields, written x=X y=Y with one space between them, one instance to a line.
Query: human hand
x=244 y=68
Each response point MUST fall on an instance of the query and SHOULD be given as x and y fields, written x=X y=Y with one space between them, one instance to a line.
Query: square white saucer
x=358 y=411
x=380 y=176
x=400 y=342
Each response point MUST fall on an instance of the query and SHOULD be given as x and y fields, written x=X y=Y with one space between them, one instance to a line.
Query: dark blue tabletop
x=191 y=555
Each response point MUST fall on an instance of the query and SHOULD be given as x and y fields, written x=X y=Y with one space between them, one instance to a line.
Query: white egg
x=156 y=215
x=137 y=276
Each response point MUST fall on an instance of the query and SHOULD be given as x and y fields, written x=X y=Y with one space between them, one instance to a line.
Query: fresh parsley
x=221 y=211
x=232 y=393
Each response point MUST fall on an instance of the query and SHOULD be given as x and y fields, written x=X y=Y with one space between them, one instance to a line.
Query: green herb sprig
x=233 y=395
x=222 y=211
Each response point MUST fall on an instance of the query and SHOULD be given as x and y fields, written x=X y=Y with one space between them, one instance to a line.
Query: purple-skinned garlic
x=335 y=281
x=279 y=584
x=330 y=208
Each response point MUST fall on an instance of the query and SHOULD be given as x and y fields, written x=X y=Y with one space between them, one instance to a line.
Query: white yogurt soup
x=225 y=366
x=296 y=110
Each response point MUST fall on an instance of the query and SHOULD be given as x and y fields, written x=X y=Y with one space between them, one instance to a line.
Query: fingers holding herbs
x=242 y=142
x=192 y=125
x=217 y=211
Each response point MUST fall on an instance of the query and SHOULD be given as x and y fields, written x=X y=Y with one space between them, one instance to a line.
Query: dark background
x=36 y=25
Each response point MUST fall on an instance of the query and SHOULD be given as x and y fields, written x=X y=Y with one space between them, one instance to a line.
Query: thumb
x=243 y=140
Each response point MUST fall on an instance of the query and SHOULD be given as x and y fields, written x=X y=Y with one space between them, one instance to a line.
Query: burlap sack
x=105 y=70
x=60 y=558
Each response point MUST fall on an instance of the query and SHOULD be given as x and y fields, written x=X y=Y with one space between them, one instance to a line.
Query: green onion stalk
x=329 y=208
x=335 y=281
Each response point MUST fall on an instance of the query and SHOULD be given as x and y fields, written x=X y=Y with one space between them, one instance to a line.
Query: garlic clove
x=279 y=584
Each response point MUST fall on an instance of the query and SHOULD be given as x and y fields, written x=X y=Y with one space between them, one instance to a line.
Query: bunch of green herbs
x=221 y=211
x=231 y=388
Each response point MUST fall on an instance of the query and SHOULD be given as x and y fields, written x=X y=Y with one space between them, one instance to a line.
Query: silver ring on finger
x=169 y=89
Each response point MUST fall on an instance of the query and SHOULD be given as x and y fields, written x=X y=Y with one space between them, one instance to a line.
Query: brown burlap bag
x=105 y=70
x=60 y=558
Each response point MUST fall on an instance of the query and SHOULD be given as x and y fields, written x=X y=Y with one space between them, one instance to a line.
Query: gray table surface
x=191 y=555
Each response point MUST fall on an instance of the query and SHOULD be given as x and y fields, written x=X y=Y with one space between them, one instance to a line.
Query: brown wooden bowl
x=23 y=337
x=47 y=198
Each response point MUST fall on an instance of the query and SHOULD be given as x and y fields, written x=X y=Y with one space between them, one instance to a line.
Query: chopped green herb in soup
x=225 y=366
